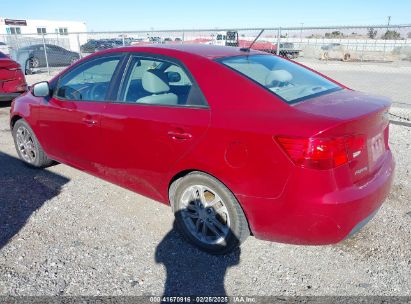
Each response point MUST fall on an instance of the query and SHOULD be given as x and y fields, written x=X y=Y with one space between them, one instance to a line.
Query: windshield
x=285 y=79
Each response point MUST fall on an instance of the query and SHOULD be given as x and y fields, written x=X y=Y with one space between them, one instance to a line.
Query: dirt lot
x=386 y=79
x=68 y=233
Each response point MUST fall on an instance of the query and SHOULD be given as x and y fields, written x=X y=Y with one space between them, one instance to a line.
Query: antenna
x=247 y=49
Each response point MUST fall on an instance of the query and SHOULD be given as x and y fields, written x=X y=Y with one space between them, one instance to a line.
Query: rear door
x=152 y=125
x=70 y=120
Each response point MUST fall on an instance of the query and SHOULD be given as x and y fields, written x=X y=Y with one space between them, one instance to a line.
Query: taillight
x=322 y=153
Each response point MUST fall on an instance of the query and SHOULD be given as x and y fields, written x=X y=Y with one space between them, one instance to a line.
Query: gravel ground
x=63 y=232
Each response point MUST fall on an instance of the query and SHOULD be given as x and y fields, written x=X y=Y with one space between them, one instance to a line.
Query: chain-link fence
x=374 y=59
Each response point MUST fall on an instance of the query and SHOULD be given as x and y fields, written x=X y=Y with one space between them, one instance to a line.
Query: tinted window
x=288 y=80
x=2 y=55
x=89 y=81
x=152 y=81
x=55 y=48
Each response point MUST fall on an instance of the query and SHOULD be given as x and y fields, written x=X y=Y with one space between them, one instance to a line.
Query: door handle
x=89 y=121
x=179 y=135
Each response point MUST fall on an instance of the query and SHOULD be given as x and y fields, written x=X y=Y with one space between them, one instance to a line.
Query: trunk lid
x=360 y=117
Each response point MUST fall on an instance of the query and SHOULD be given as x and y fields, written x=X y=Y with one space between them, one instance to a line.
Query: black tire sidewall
x=232 y=240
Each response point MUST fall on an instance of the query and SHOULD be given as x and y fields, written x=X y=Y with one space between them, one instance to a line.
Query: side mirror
x=173 y=76
x=41 y=89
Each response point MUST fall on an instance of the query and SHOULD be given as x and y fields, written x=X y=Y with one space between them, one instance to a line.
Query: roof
x=203 y=50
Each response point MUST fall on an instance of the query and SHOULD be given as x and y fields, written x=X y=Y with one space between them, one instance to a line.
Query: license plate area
x=376 y=148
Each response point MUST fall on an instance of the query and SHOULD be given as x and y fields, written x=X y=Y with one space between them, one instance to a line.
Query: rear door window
x=159 y=82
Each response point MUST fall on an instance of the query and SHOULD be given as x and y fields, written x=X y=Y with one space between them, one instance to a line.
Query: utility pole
x=386 y=36
x=301 y=33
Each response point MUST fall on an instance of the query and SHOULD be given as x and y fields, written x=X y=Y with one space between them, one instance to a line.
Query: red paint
x=12 y=80
x=143 y=147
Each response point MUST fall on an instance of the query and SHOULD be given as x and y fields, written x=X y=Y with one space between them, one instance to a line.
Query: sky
x=210 y=14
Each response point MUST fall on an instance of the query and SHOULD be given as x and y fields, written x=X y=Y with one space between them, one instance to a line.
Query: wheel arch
x=14 y=119
x=173 y=183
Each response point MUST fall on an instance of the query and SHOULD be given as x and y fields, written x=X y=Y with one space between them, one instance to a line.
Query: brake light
x=322 y=153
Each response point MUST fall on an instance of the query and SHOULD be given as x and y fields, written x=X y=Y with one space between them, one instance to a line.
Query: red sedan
x=237 y=141
x=12 y=81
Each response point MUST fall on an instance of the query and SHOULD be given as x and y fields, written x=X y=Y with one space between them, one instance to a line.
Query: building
x=17 y=32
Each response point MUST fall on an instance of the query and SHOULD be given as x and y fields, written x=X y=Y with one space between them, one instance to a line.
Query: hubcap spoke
x=192 y=215
x=204 y=230
x=218 y=225
x=191 y=207
x=198 y=222
x=212 y=228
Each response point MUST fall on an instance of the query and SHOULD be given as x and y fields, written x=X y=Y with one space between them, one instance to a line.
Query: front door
x=70 y=123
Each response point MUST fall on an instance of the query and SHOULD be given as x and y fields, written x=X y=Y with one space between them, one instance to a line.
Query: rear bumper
x=8 y=96
x=301 y=216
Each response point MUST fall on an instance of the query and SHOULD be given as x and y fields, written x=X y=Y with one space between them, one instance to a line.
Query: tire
x=28 y=147
x=27 y=69
x=207 y=213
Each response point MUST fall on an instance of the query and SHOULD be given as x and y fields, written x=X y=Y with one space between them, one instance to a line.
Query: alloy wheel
x=25 y=145
x=34 y=62
x=205 y=214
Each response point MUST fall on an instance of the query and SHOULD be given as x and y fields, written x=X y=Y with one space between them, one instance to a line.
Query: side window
x=157 y=82
x=89 y=81
x=177 y=76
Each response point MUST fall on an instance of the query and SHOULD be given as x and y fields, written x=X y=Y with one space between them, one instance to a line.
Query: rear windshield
x=2 y=55
x=283 y=78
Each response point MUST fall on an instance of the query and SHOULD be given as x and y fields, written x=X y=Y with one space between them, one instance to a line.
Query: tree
x=391 y=35
x=371 y=33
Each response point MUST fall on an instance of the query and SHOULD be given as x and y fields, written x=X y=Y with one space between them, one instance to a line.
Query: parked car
x=12 y=80
x=335 y=51
x=236 y=141
x=56 y=55
x=103 y=44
